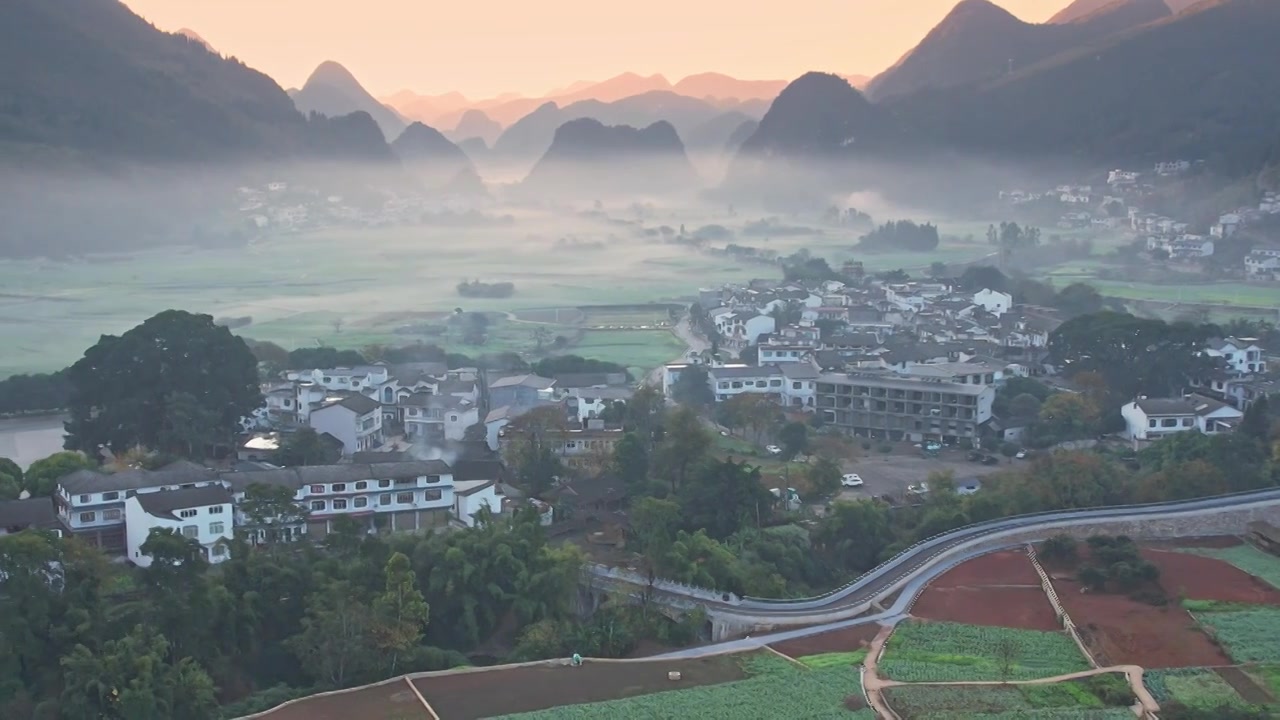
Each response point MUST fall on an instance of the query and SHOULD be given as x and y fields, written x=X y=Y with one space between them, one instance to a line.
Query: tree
x=723 y=497
x=305 y=447
x=336 y=646
x=1068 y=415
x=130 y=679
x=127 y=390
x=187 y=426
x=1134 y=355
x=979 y=277
x=272 y=513
x=1256 y=423
x=937 y=269
x=1006 y=652
x=854 y=534
x=630 y=460
x=824 y=477
x=1060 y=549
x=1024 y=406
x=529 y=451
x=41 y=479
x=693 y=387
x=1078 y=299
x=685 y=443
x=399 y=613
x=794 y=439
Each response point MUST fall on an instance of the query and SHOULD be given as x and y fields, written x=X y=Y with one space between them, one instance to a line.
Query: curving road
x=931 y=557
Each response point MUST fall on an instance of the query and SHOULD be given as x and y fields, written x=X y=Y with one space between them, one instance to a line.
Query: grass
x=834 y=659
x=1248 y=558
x=777 y=688
x=1249 y=635
x=942 y=652
x=1063 y=700
x=1216 y=293
x=634 y=349
x=1199 y=688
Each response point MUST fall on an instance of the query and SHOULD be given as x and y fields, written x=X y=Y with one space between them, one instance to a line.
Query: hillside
x=476 y=124
x=1120 y=103
x=193 y=35
x=1078 y=10
x=724 y=87
x=586 y=156
x=980 y=41
x=332 y=90
x=531 y=136
x=430 y=157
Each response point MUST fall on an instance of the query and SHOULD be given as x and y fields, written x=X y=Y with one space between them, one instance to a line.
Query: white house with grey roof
x=203 y=514
x=1240 y=355
x=354 y=419
x=1154 y=418
x=438 y=417
x=731 y=380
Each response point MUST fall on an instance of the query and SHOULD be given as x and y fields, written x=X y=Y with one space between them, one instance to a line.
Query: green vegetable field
x=777 y=689
x=1199 y=688
x=1248 y=558
x=1250 y=634
x=943 y=652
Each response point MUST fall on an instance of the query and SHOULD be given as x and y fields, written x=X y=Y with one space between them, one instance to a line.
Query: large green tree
x=399 y=613
x=41 y=479
x=177 y=382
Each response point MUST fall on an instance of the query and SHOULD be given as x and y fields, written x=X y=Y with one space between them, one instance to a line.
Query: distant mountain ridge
x=1119 y=102
x=332 y=90
x=980 y=41
x=587 y=156
x=428 y=155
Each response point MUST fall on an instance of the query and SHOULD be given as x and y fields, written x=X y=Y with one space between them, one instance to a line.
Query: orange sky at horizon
x=486 y=48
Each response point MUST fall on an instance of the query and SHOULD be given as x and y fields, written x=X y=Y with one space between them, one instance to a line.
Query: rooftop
x=743 y=371
x=531 y=381
x=35 y=512
x=164 y=503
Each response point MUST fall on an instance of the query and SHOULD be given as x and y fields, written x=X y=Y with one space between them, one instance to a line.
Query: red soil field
x=846 y=640
x=1026 y=608
x=1123 y=631
x=392 y=701
x=1204 y=578
x=1007 y=567
x=503 y=691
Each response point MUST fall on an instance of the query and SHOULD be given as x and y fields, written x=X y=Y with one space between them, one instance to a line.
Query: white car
x=1022 y=455
x=920 y=489
x=968 y=488
x=851 y=480
x=773 y=449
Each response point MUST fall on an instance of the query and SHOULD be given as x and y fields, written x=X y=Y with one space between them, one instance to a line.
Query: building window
x=795 y=386
x=108 y=496
x=84 y=498
x=215 y=510
x=339 y=504
x=190 y=531
x=453 y=418
x=317 y=505
x=775 y=383
x=404 y=498
x=1187 y=422
x=361 y=502
x=761 y=383
x=724 y=386
x=111 y=515
x=1169 y=422
x=187 y=513
x=340 y=487
x=317 y=489
x=219 y=551
x=384 y=499
x=88 y=517
x=434 y=494
x=1151 y=423
x=362 y=485
x=433 y=478
x=327 y=379
x=217 y=528
x=384 y=483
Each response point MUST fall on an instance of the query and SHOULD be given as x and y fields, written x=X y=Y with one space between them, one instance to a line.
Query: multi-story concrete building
x=887 y=405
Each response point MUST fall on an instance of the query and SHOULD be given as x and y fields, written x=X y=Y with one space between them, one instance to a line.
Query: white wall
x=466 y=506
x=139 y=523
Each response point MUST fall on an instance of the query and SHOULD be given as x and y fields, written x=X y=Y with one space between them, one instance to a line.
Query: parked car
x=968 y=488
x=851 y=480
x=975 y=456
x=1022 y=455
x=773 y=449
x=919 y=489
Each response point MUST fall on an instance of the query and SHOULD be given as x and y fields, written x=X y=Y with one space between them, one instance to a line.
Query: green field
x=1199 y=688
x=776 y=689
x=1248 y=558
x=1073 y=700
x=1249 y=633
x=946 y=652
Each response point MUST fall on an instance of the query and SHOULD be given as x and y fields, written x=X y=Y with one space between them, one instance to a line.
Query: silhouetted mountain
x=740 y=135
x=981 y=41
x=531 y=136
x=723 y=87
x=1123 y=102
x=332 y=90
x=714 y=134
x=588 y=158
x=475 y=123
x=115 y=134
x=616 y=88
x=475 y=148
x=1178 y=6
x=429 y=155
x=192 y=35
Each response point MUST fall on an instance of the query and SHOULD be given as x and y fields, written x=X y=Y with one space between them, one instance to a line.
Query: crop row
x=786 y=690
x=834 y=659
x=940 y=652
x=1250 y=635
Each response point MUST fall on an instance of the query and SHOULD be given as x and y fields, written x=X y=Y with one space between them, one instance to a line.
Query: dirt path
x=875 y=685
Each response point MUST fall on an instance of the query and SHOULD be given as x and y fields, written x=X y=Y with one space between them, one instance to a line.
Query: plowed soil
x=1026 y=608
x=503 y=691
x=1007 y=567
x=1122 y=631
x=1204 y=578
x=1001 y=589
x=392 y=701
x=846 y=640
